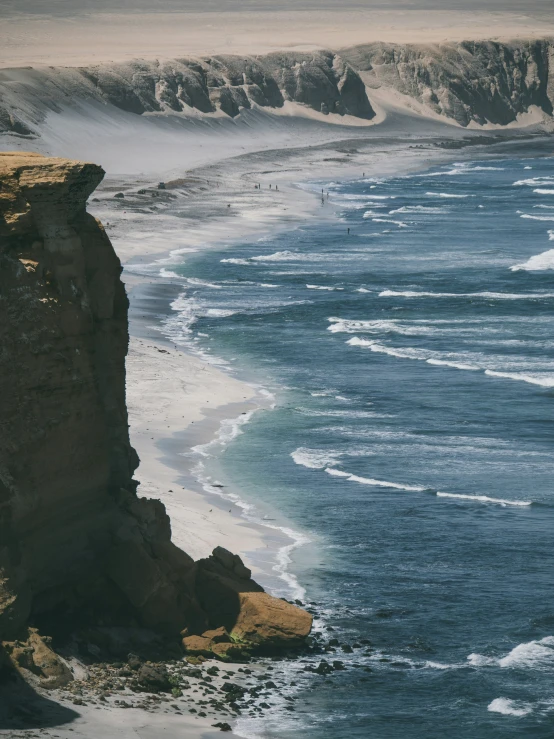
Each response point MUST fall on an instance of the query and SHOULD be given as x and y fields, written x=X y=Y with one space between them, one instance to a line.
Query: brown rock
x=217 y=635
x=267 y=621
x=230 y=597
x=228 y=651
x=195 y=645
x=36 y=656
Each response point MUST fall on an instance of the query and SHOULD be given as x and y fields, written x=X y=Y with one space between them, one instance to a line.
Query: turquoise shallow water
x=413 y=365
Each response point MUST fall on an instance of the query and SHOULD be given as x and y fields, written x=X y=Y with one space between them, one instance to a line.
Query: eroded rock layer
x=468 y=82
x=77 y=545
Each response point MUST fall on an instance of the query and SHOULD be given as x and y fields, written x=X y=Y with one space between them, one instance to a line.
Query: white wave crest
x=485 y=294
x=194 y=281
x=536 y=218
x=541 y=191
x=345 y=326
x=400 y=224
x=537 y=263
x=219 y=313
x=508 y=707
x=315 y=459
x=418 y=209
x=169 y=274
x=536 y=654
x=534 y=182
x=323 y=287
x=446 y=195
x=540 y=380
x=235 y=261
x=408 y=353
x=484 y=499
x=447 y=359
x=375 y=483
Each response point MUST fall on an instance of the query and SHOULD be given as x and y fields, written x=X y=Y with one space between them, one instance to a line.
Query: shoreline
x=195 y=417
x=167 y=393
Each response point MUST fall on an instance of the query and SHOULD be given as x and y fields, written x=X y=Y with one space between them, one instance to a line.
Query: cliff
x=467 y=82
x=77 y=545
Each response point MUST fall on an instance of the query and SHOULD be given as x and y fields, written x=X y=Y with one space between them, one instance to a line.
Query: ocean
x=404 y=456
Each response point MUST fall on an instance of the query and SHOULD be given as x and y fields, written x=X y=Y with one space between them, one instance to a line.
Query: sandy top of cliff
x=10 y=161
x=114 y=31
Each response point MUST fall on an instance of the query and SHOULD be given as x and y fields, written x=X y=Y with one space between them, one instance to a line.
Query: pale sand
x=167 y=392
x=95 y=722
x=73 y=38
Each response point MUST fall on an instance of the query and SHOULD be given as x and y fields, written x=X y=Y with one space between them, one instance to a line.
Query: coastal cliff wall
x=467 y=82
x=470 y=81
x=77 y=545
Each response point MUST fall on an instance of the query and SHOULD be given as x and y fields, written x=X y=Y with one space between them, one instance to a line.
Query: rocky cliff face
x=322 y=81
x=480 y=81
x=77 y=546
x=470 y=81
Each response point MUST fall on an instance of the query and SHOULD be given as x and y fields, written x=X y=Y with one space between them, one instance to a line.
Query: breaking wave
x=537 y=263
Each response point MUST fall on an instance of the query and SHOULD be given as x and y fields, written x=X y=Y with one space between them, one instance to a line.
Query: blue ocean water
x=412 y=361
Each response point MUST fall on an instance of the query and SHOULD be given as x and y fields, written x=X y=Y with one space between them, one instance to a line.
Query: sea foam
x=485 y=294
x=538 y=263
x=508 y=707
x=375 y=483
x=484 y=499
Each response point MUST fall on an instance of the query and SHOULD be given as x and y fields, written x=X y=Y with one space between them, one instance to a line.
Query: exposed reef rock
x=77 y=546
x=480 y=81
x=470 y=81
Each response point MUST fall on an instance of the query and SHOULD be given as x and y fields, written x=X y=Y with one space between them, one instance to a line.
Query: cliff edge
x=78 y=547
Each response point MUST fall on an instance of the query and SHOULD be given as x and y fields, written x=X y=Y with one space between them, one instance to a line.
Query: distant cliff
x=322 y=81
x=470 y=81
x=480 y=81
x=77 y=546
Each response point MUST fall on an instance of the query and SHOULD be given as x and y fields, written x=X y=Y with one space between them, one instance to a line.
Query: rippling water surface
x=413 y=365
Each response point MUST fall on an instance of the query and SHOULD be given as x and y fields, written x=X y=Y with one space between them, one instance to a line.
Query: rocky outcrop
x=77 y=545
x=480 y=81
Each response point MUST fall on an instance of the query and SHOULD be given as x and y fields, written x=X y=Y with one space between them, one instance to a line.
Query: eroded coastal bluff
x=79 y=548
x=465 y=82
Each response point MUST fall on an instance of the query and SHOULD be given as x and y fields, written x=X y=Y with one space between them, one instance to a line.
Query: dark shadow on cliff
x=21 y=707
